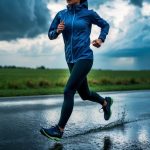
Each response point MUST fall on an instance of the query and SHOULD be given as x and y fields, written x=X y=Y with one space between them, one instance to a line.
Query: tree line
x=18 y=67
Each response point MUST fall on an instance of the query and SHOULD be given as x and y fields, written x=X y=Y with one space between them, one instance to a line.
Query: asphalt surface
x=128 y=129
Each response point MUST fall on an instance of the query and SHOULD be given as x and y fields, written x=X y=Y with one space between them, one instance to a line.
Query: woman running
x=75 y=24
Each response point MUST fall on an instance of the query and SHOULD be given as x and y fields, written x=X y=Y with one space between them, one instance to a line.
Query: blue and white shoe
x=52 y=133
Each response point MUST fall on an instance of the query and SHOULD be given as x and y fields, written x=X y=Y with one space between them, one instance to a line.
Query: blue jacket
x=76 y=35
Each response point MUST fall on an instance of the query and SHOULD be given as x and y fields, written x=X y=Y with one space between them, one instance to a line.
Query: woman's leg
x=77 y=81
x=84 y=91
x=78 y=74
x=86 y=94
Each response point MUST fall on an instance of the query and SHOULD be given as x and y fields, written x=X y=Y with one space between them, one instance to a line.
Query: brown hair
x=82 y=1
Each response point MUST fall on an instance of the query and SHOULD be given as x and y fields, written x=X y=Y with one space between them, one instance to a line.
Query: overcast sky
x=24 y=42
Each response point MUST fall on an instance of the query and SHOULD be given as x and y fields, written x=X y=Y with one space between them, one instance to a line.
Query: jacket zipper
x=72 y=35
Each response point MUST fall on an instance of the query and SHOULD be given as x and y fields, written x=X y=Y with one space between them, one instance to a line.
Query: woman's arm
x=52 y=33
x=97 y=20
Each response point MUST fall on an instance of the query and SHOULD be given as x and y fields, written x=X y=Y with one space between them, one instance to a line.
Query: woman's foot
x=107 y=107
x=53 y=133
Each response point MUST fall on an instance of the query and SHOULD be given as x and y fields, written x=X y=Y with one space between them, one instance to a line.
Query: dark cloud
x=138 y=2
x=130 y=52
x=140 y=55
x=23 y=18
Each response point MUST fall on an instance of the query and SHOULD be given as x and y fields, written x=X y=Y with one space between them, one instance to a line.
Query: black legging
x=77 y=82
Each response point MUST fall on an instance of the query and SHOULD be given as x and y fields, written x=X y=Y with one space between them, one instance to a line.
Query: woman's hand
x=97 y=43
x=61 y=27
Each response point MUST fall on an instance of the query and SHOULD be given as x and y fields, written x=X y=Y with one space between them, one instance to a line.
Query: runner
x=75 y=24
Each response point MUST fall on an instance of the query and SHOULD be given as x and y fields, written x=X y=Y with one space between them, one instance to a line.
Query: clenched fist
x=97 y=43
x=61 y=27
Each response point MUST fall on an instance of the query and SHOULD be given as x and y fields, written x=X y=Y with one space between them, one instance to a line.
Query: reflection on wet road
x=129 y=127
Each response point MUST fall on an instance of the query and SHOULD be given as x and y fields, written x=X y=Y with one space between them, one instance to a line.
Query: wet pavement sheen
x=128 y=129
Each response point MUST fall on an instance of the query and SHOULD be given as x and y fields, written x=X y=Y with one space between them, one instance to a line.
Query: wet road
x=129 y=127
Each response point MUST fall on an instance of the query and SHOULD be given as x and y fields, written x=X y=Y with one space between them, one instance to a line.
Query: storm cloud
x=131 y=52
x=23 y=18
x=138 y=2
x=127 y=45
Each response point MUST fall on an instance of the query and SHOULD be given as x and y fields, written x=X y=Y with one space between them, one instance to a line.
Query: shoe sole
x=110 y=107
x=111 y=102
x=48 y=136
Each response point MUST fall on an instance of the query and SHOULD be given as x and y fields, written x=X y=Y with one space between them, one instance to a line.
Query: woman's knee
x=68 y=91
x=85 y=96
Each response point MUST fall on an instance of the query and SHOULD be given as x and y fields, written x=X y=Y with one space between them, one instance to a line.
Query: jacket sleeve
x=52 y=33
x=97 y=20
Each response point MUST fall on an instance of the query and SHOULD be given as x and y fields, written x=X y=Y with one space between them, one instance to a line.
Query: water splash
x=120 y=122
x=122 y=114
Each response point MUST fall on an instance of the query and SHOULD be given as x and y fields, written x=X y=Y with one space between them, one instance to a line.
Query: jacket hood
x=84 y=3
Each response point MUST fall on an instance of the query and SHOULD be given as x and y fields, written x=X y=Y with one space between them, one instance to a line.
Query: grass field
x=16 y=82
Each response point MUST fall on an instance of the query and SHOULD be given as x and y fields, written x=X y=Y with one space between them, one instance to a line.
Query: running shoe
x=52 y=133
x=107 y=108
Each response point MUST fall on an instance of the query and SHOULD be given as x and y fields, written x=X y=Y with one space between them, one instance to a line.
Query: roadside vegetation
x=16 y=81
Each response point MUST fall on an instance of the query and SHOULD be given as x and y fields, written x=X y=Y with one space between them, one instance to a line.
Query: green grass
x=17 y=82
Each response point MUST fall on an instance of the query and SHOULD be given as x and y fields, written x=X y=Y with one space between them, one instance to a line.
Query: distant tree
x=5 y=67
x=13 y=66
x=18 y=67
x=41 y=67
